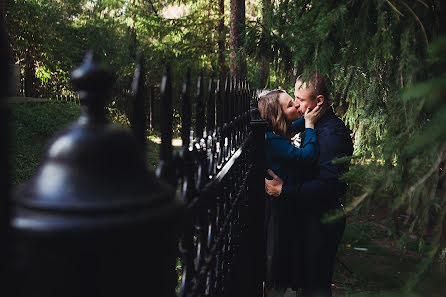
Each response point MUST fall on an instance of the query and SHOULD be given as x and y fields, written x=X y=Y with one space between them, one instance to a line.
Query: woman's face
x=289 y=109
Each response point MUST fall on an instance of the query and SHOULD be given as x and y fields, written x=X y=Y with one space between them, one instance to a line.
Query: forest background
x=385 y=61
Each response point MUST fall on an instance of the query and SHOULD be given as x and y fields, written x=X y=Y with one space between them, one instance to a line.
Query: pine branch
x=441 y=158
x=433 y=249
x=418 y=20
x=356 y=201
x=443 y=172
x=153 y=8
x=265 y=28
x=424 y=3
x=394 y=8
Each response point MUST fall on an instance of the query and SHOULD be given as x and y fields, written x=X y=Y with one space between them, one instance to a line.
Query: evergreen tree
x=385 y=62
x=237 y=39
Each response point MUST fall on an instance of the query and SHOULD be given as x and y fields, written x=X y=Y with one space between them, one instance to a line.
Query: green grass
x=153 y=152
x=33 y=126
x=359 y=234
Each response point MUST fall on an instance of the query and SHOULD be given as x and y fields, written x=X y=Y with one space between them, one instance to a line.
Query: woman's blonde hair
x=271 y=110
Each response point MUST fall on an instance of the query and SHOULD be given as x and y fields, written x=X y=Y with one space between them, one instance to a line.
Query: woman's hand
x=312 y=116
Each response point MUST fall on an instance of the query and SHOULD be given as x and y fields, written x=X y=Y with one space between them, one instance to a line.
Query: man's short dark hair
x=316 y=83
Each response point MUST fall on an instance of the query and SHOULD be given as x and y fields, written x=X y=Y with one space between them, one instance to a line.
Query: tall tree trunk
x=30 y=73
x=132 y=45
x=221 y=36
x=5 y=29
x=264 y=72
x=237 y=39
x=3 y=14
x=132 y=31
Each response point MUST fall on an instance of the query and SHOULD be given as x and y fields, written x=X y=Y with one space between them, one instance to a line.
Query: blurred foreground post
x=94 y=221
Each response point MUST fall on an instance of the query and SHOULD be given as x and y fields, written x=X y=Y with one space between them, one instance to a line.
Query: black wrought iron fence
x=217 y=170
x=86 y=226
x=67 y=98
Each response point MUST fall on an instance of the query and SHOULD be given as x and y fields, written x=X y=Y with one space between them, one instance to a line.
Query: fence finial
x=93 y=84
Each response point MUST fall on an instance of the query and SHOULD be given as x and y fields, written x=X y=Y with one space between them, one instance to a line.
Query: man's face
x=304 y=97
x=288 y=107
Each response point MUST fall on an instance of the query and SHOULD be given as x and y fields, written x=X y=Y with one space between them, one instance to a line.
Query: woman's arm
x=287 y=152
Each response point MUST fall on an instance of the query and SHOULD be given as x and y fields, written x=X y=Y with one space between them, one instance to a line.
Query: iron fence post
x=256 y=199
x=94 y=221
x=138 y=122
x=165 y=169
x=5 y=182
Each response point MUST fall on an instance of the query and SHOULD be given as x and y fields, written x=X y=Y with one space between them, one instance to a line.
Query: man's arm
x=316 y=193
x=273 y=187
x=323 y=190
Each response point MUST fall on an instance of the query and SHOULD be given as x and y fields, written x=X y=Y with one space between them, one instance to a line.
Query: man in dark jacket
x=316 y=242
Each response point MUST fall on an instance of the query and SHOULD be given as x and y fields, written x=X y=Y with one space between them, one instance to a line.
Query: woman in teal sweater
x=285 y=159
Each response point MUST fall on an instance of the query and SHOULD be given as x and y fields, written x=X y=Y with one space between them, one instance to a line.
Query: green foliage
x=54 y=35
x=385 y=61
x=33 y=125
x=41 y=30
x=359 y=234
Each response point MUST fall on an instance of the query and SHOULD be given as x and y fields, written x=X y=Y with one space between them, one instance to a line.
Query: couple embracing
x=302 y=184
